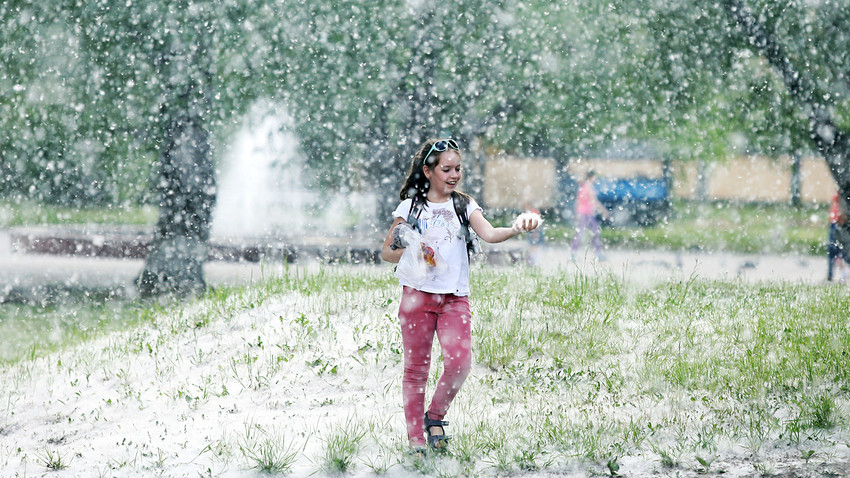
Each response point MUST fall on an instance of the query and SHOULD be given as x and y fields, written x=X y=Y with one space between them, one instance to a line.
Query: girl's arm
x=491 y=234
x=387 y=253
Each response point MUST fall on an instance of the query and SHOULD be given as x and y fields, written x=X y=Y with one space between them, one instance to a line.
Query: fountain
x=265 y=207
x=260 y=188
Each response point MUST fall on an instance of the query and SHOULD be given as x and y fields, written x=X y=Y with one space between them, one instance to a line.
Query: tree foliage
x=83 y=118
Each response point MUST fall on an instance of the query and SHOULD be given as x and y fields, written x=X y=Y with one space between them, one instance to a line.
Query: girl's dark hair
x=416 y=185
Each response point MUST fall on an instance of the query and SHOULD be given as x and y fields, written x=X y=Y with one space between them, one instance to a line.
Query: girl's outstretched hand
x=527 y=221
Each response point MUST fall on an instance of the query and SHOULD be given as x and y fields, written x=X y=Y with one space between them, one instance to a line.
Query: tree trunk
x=187 y=195
x=830 y=141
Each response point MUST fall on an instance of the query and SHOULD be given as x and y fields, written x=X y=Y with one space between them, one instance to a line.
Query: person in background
x=428 y=225
x=835 y=254
x=587 y=208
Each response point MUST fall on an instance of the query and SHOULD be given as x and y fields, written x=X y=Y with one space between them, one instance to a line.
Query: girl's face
x=444 y=177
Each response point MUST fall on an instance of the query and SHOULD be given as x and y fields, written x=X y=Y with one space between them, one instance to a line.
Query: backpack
x=460 y=202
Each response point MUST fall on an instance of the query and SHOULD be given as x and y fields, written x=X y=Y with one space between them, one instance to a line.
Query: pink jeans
x=422 y=314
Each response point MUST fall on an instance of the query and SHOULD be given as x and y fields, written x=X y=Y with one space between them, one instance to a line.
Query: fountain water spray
x=261 y=192
x=264 y=196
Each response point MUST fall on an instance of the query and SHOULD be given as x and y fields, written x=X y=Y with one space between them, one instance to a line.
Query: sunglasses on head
x=441 y=146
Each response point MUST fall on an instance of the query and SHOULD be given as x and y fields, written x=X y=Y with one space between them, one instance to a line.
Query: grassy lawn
x=747 y=228
x=589 y=375
x=34 y=330
x=25 y=213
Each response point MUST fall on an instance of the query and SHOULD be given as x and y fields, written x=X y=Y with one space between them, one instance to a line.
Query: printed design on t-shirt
x=439 y=228
x=443 y=218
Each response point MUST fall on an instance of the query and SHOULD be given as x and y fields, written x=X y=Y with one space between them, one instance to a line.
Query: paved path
x=31 y=271
x=30 y=275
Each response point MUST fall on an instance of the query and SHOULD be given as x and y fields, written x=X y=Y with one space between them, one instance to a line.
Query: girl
x=437 y=302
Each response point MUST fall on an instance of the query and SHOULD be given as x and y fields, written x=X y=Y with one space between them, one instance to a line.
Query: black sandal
x=434 y=440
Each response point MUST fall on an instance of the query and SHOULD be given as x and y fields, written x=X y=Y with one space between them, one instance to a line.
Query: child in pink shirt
x=587 y=206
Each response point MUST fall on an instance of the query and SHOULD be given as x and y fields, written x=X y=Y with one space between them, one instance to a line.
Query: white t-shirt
x=440 y=229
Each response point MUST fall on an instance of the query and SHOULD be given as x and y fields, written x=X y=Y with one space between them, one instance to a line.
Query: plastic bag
x=411 y=267
x=431 y=254
x=420 y=261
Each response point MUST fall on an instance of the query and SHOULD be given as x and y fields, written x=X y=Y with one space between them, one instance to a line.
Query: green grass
x=33 y=330
x=745 y=228
x=52 y=460
x=30 y=213
x=267 y=451
x=341 y=447
x=742 y=355
x=711 y=336
x=72 y=317
x=585 y=372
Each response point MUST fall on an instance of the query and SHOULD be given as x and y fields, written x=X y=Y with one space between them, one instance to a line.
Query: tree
x=50 y=151
x=152 y=87
x=369 y=81
x=170 y=56
x=186 y=179
x=162 y=63
x=831 y=141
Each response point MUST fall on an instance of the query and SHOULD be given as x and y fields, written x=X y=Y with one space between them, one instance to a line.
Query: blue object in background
x=638 y=200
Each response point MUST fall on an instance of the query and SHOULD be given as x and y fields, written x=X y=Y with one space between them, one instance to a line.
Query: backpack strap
x=460 y=202
x=416 y=209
